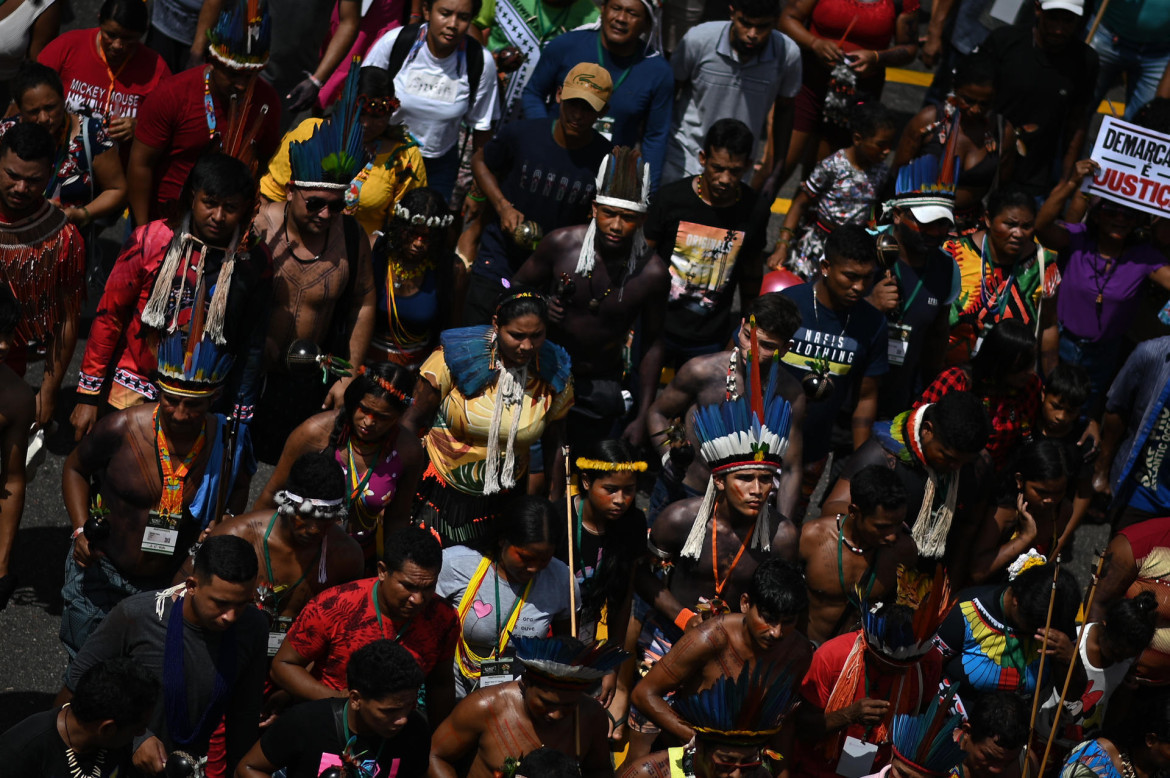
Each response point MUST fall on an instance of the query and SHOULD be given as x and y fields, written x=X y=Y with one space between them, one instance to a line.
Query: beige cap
x=590 y=83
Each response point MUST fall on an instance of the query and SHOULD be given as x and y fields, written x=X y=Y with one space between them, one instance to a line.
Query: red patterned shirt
x=340 y=620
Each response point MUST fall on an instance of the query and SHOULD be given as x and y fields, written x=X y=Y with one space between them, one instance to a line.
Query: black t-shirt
x=1036 y=88
x=549 y=184
x=704 y=248
x=309 y=738
x=34 y=749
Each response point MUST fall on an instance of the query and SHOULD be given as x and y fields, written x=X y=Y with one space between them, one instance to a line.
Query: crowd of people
x=576 y=468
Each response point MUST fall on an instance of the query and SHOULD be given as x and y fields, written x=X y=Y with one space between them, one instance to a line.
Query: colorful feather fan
x=568 y=661
x=242 y=35
x=191 y=371
x=745 y=710
x=333 y=155
x=927 y=740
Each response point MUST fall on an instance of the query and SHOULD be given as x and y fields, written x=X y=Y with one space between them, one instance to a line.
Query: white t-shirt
x=434 y=94
x=1086 y=714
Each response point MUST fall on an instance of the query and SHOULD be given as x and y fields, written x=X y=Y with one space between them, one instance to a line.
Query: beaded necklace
x=170 y=504
x=208 y=103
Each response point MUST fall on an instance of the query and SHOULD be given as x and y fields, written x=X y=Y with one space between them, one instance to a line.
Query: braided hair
x=369 y=381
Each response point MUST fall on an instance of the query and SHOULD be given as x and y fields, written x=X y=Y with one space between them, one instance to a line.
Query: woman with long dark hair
x=381 y=458
x=1138 y=749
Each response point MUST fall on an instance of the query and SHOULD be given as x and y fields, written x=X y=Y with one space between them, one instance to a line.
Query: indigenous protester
x=299 y=546
x=626 y=41
x=162 y=475
x=931 y=449
x=391 y=164
x=715 y=378
x=482 y=381
x=548 y=705
x=223 y=105
x=17 y=415
x=920 y=280
x=528 y=596
x=604 y=282
x=373 y=729
x=733 y=722
x=418 y=280
x=106 y=71
x=762 y=635
x=444 y=82
x=322 y=284
x=871 y=532
x=380 y=459
x=399 y=604
x=924 y=745
x=1135 y=749
x=993 y=736
x=204 y=639
x=204 y=275
x=861 y=682
x=91 y=734
x=538 y=178
x=42 y=261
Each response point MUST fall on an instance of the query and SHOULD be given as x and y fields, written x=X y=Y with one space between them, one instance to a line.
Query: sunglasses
x=377 y=107
x=970 y=102
x=315 y=204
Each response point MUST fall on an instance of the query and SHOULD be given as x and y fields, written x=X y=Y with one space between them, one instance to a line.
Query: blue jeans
x=442 y=172
x=1142 y=64
x=1099 y=359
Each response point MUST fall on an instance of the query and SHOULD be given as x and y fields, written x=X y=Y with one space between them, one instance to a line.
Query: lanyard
x=601 y=61
x=917 y=288
x=351 y=740
x=841 y=566
x=278 y=590
x=208 y=103
x=516 y=604
x=720 y=585
x=600 y=551
x=170 y=505
x=358 y=486
x=399 y=634
x=109 y=102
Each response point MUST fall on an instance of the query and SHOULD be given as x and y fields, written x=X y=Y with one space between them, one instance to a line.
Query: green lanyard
x=499 y=626
x=909 y=300
x=399 y=633
x=841 y=566
x=580 y=526
x=268 y=566
x=352 y=739
x=601 y=61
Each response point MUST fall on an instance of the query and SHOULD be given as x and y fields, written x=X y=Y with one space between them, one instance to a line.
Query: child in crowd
x=1063 y=419
x=842 y=189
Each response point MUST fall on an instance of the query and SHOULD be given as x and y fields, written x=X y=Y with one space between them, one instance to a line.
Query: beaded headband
x=518 y=296
x=389 y=388
x=610 y=467
x=418 y=219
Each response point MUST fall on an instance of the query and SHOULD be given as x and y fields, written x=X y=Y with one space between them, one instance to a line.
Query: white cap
x=1072 y=6
x=925 y=214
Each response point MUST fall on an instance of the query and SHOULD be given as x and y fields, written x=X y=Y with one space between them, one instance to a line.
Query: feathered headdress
x=926 y=186
x=332 y=156
x=927 y=741
x=743 y=711
x=242 y=35
x=188 y=370
x=567 y=663
x=904 y=631
x=622 y=182
x=749 y=432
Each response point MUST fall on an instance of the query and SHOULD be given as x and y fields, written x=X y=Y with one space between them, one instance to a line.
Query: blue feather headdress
x=332 y=156
x=743 y=711
x=926 y=187
x=746 y=432
x=567 y=663
x=904 y=630
x=927 y=741
x=191 y=372
x=242 y=35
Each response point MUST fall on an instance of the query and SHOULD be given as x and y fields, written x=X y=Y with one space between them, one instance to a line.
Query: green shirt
x=546 y=20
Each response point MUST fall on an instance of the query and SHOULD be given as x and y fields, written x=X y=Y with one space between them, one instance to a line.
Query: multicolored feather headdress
x=332 y=156
x=242 y=35
x=926 y=187
x=622 y=182
x=904 y=631
x=748 y=432
x=927 y=741
x=191 y=372
x=744 y=711
x=567 y=663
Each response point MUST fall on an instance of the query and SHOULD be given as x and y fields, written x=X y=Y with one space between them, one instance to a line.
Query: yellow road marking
x=918 y=78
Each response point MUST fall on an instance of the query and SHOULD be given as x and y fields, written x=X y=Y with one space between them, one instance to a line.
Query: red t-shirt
x=921 y=682
x=172 y=119
x=340 y=620
x=74 y=55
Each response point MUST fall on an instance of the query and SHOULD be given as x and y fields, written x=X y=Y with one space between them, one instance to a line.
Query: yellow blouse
x=398 y=167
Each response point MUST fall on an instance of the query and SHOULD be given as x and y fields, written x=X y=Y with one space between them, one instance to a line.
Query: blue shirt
x=641 y=105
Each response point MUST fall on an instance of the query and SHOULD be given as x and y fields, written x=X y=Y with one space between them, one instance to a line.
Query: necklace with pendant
x=75 y=770
x=732 y=364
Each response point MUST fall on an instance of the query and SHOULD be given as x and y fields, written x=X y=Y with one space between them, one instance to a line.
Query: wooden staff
x=1040 y=671
x=1072 y=665
x=572 y=536
x=1097 y=20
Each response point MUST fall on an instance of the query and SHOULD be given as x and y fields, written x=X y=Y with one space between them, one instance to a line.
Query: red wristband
x=684 y=616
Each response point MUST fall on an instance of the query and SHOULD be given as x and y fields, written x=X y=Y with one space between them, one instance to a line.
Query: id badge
x=276 y=633
x=161 y=535
x=898 y=344
x=493 y=672
x=856 y=758
x=604 y=125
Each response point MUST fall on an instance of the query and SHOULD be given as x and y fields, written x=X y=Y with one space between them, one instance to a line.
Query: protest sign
x=1135 y=167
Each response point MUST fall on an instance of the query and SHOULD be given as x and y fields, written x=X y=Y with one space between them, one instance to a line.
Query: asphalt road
x=32 y=659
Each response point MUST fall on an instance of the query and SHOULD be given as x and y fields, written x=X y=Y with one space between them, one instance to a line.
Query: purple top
x=1082 y=272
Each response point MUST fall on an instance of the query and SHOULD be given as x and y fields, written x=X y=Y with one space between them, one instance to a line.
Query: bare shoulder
x=248 y=526
x=410 y=448
x=785 y=538
x=905 y=550
x=315 y=430
x=674 y=524
x=696 y=373
x=656 y=765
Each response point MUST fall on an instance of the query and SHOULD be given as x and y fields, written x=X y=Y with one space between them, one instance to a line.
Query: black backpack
x=405 y=42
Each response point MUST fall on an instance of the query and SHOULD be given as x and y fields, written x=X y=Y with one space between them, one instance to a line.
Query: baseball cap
x=925 y=214
x=590 y=83
x=1072 y=6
